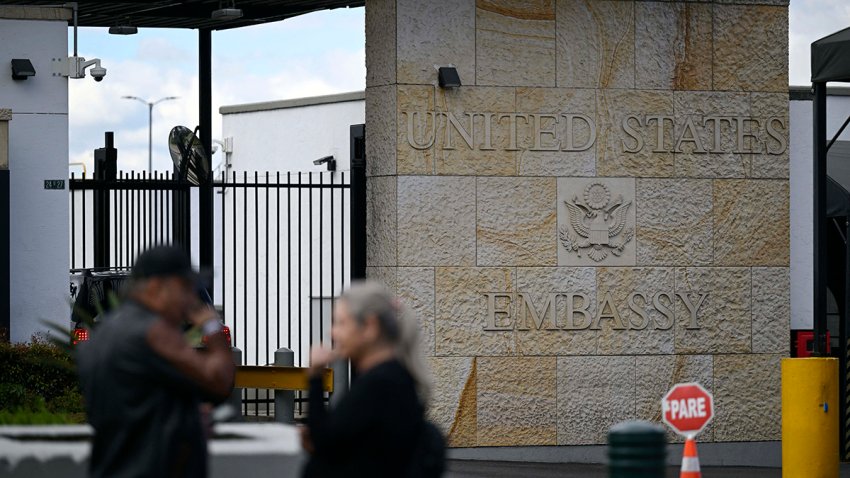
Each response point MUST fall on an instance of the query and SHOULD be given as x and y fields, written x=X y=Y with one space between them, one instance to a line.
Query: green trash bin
x=636 y=449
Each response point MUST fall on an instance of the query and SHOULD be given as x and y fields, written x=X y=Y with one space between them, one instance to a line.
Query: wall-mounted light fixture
x=22 y=69
x=229 y=12
x=123 y=30
x=447 y=77
x=327 y=159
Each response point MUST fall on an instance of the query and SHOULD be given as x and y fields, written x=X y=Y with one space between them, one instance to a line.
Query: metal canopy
x=189 y=13
x=831 y=57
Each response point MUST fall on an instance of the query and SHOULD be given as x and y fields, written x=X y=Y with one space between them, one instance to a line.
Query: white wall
x=38 y=150
x=283 y=139
x=289 y=139
x=838 y=108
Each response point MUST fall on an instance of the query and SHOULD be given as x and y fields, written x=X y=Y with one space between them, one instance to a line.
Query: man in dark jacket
x=143 y=383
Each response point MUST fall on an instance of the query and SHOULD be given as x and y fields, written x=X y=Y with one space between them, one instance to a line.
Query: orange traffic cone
x=690 y=460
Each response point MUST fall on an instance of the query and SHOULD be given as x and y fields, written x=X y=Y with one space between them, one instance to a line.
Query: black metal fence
x=112 y=221
x=282 y=256
x=282 y=248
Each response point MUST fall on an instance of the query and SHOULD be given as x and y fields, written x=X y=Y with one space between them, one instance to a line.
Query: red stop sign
x=687 y=408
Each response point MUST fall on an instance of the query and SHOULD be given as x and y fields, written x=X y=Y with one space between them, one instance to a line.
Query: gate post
x=358 y=202
x=235 y=399
x=284 y=400
x=105 y=169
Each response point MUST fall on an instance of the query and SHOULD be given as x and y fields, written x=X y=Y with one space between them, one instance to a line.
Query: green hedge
x=38 y=384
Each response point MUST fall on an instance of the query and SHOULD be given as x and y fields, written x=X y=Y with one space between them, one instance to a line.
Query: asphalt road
x=490 y=469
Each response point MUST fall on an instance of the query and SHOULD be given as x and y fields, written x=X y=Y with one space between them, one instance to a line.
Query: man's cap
x=164 y=261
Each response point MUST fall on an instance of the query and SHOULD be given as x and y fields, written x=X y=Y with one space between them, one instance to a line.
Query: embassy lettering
x=571 y=311
x=575 y=132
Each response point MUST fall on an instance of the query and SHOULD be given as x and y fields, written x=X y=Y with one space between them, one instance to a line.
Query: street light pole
x=150 y=104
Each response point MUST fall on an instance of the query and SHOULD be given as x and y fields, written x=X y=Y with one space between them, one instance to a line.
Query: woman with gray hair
x=378 y=428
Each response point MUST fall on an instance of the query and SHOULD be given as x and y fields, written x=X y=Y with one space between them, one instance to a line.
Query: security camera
x=77 y=68
x=331 y=162
x=98 y=73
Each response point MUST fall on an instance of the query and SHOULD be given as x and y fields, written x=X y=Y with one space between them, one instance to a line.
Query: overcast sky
x=314 y=54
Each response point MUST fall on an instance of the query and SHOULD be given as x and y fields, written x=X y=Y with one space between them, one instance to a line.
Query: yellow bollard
x=810 y=418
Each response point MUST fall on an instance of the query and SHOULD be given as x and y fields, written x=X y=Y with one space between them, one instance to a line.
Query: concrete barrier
x=237 y=449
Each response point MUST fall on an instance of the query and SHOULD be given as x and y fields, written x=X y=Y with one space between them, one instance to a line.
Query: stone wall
x=600 y=211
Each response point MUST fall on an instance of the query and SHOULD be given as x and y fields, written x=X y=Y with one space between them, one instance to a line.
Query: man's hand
x=320 y=357
x=201 y=313
x=213 y=371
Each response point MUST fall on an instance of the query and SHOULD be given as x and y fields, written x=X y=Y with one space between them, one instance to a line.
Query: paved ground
x=491 y=469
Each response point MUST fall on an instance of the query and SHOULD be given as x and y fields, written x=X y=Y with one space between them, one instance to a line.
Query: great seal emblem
x=598 y=222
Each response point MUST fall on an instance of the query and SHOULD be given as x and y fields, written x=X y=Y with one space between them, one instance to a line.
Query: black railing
x=283 y=254
x=118 y=219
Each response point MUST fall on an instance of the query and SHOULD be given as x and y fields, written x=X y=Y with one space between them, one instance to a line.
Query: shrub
x=38 y=384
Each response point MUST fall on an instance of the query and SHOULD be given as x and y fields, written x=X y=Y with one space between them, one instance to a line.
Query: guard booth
x=831 y=160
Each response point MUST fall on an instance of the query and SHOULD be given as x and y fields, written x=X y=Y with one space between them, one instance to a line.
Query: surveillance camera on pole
x=77 y=68
x=76 y=64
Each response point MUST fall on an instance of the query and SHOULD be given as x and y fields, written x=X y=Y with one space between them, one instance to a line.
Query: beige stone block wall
x=516 y=401
x=516 y=221
x=675 y=222
x=381 y=105
x=556 y=163
x=658 y=373
x=677 y=107
x=434 y=33
x=596 y=44
x=436 y=221
x=673 y=45
x=515 y=41
x=613 y=106
x=451 y=154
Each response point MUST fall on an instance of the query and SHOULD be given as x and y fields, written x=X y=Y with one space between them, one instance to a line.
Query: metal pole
x=206 y=233
x=819 y=219
x=105 y=169
x=235 y=399
x=150 y=104
x=150 y=137
x=284 y=400
x=5 y=227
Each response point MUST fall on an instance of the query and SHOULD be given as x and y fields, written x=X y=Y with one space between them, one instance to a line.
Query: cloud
x=160 y=66
x=810 y=20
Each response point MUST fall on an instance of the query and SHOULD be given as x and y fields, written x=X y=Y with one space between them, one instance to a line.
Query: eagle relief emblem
x=599 y=223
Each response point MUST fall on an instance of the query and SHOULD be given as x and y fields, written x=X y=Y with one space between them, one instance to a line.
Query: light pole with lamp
x=150 y=123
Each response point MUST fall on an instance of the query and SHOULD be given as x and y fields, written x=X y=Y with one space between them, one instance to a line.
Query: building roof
x=293 y=103
x=195 y=14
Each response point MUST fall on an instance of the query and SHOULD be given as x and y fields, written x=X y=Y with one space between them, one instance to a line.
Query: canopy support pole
x=206 y=233
x=819 y=219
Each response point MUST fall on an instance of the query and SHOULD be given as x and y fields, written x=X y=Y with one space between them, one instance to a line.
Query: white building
x=38 y=151
x=268 y=268
x=288 y=135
